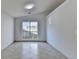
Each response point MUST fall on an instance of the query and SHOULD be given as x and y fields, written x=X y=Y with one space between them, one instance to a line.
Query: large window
x=30 y=29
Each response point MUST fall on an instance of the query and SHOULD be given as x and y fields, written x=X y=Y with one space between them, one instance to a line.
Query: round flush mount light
x=29 y=6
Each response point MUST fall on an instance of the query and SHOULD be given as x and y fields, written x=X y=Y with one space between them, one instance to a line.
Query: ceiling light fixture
x=29 y=6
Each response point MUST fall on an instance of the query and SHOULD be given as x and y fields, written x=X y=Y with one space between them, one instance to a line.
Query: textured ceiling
x=15 y=8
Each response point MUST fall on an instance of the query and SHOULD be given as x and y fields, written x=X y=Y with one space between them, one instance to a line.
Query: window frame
x=30 y=26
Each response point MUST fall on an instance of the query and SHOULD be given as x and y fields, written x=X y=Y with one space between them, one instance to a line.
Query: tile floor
x=31 y=50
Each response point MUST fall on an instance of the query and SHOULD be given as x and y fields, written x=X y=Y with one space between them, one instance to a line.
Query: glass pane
x=34 y=26
x=34 y=35
x=34 y=32
x=30 y=30
x=26 y=34
x=25 y=26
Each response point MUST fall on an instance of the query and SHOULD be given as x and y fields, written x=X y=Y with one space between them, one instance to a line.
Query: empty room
x=38 y=29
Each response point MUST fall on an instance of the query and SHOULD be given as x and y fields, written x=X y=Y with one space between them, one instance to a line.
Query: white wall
x=41 y=28
x=61 y=32
x=6 y=30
